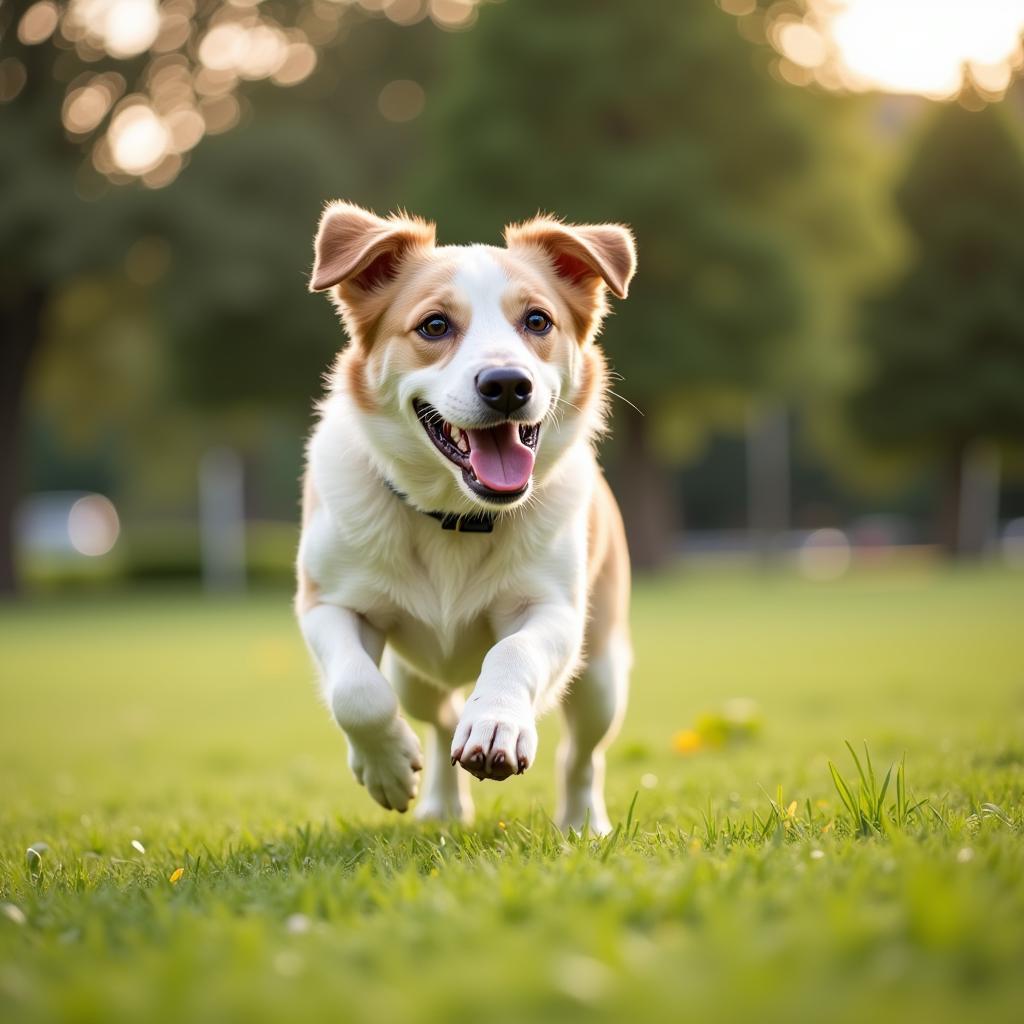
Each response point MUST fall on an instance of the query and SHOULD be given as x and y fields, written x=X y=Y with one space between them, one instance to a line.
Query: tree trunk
x=644 y=495
x=20 y=322
x=950 y=502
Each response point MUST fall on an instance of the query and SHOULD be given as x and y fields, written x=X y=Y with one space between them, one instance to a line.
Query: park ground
x=180 y=838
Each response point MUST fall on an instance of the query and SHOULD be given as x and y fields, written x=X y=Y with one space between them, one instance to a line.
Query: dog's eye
x=537 y=322
x=434 y=327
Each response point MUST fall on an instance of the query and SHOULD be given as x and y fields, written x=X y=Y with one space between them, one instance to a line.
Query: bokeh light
x=401 y=100
x=86 y=105
x=93 y=525
x=38 y=23
x=195 y=60
x=220 y=114
x=824 y=555
x=453 y=14
x=121 y=28
x=297 y=65
x=139 y=139
x=12 y=78
x=406 y=12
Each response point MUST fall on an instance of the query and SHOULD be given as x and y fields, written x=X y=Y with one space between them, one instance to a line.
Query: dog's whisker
x=622 y=398
x=565 y=401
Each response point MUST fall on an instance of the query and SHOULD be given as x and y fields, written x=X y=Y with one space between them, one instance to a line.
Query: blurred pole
x=767 y=477
x=222 y=520
x=978 y=521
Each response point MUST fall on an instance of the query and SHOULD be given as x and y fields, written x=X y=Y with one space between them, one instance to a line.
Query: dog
x=456 y=527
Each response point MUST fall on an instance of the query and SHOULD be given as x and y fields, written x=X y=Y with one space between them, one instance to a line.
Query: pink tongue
x=499 y=458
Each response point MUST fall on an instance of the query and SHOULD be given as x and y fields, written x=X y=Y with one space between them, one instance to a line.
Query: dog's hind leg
x=444 y=794
x=593 y=710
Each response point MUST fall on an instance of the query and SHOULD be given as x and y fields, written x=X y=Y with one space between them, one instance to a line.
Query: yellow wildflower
x=687 y=741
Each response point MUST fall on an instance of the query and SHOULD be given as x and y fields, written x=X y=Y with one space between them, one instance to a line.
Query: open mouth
x=496 y=462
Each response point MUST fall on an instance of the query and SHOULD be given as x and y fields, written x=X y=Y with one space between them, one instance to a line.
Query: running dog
x=457 y=530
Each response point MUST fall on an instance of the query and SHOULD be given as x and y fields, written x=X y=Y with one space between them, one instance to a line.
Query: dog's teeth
x=460 y=440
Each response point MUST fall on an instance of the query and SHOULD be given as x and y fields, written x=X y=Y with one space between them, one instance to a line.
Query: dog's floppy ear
x=356 y=247
x=581 y=253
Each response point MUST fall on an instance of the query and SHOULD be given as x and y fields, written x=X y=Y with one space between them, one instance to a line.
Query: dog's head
x=472 y=367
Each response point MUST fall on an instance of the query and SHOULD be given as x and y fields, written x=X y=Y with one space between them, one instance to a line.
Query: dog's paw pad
x=494 y=743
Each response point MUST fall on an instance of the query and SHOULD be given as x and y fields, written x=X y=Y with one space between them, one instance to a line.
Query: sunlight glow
x=922 y=45
x=927 y=47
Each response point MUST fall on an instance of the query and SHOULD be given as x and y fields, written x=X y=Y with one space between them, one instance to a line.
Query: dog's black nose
x=505 y=388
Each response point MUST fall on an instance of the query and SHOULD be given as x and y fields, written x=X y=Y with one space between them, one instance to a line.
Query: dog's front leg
x=497 y=733
x=384 y=753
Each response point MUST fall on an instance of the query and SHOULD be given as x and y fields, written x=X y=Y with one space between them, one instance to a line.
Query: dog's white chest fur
x=440 y=597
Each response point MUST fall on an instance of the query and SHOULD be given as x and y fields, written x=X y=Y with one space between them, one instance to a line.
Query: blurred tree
x=46 y=232
x=659 y=115
x=945 y=342
x=134 y=90
x=93 y=95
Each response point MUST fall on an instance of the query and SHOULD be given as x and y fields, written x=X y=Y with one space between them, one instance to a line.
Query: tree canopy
x=950 y=330
x=653 y=114
x=945 y=342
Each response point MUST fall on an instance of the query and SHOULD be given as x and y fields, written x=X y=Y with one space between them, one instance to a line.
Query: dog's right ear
x=361 y=250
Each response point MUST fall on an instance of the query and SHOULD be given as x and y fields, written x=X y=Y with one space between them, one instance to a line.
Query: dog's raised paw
x=494 y=742
x=387 y=764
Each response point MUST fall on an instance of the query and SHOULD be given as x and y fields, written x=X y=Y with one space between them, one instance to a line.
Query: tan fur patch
x=533 y=287
x=424 y=287
x=593 y=377
x=607 y=568
x=352 y=367
x=581 y=305
x=582 y=259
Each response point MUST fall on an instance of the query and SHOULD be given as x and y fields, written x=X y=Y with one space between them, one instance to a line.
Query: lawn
x=204 y=855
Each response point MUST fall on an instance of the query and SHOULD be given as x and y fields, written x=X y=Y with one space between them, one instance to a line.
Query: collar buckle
x=465 y=523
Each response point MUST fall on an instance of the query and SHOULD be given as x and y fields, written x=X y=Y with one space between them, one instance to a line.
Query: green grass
x=753 y=881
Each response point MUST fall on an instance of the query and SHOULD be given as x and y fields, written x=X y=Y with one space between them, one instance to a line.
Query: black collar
x=480 y=522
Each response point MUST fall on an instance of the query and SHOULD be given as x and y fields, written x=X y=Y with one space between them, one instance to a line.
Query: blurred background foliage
x=825 y=331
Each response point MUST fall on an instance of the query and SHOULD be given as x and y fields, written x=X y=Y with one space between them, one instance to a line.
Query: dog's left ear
x=581 y=253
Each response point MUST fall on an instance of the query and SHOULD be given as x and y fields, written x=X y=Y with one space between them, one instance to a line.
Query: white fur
x=505 y=611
